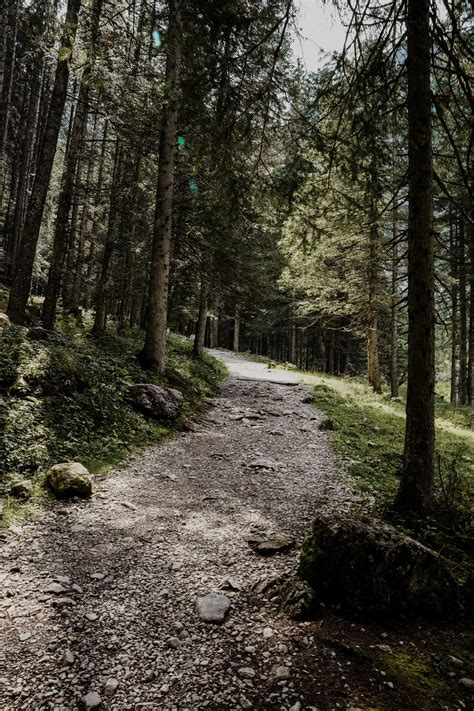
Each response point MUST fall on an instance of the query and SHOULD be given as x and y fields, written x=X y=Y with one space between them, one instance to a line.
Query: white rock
x=267 y=632
x=68 y=657
x=90 y=701
x=111 y=686
x=212 y=607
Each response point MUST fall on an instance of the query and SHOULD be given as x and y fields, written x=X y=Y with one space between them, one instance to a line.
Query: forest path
x=170 y=524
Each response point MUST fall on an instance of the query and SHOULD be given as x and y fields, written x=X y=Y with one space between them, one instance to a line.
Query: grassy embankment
x=63 y=399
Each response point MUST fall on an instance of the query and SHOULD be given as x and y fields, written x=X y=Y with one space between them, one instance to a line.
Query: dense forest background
x=170 y=165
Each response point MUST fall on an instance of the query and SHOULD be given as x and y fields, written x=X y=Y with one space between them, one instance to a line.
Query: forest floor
x=173 y=523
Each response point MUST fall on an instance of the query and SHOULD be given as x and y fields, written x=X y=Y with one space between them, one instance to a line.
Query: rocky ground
x=99 y=600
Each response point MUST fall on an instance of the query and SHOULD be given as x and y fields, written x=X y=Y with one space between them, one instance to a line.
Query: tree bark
x=462 y=314
x=394 y=311
x=454 y=310
x=470 y=364
x=416 y=484
x=198 y=347
x=100 y=319
x=21 y=284
x=154 y=352
x=236 y=337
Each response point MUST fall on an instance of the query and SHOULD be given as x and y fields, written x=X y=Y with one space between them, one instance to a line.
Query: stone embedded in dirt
x=91 y=616
x=246 y=673
x=271 y=543
x=155 y=401
x=228 y=584
x=454 y=662
x=267 y=632
x=63 y=579
x=98 y=576
x=263 y=464
x=281 y=672
x=69 y=479
x=56 y=589
x=296 y=707
x=245 y=703
x=90 y=701
x=68 y=657
x=63 y=602
x=467 y=683
x=372 y=567
x=21 y=489
x=174 y=642
x=111 y=686
x=23 y=636
x=212 y=607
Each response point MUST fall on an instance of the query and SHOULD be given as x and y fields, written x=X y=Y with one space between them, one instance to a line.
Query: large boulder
x=69 y=479
x=371 y=567
x=155 y=401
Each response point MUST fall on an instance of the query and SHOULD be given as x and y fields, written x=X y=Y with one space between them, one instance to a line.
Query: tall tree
x=416 y=483
x=26 y=255
x=155 y=340
x=71 y=161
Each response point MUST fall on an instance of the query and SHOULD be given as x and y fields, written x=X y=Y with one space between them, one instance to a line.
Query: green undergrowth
x=64 y=399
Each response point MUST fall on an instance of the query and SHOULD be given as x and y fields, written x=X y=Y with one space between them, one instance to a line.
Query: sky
x=321 y=32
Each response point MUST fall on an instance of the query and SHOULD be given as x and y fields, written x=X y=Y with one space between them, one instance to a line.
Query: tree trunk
x=416 y=484
x=470 y=365
x=71 y=160
x=236 y=338
x=454 y=310
x=5 y=113
x=154 y=353
x=21 y=284
x=373 y=365
x=100 y=320
x=292 y=334
x=394 y=312
x=198 y=347
x=462 y=314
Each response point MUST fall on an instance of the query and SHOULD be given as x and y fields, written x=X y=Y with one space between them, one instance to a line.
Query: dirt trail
x=171 y=524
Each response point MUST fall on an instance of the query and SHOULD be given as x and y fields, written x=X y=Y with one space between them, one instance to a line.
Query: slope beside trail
x=170 y=524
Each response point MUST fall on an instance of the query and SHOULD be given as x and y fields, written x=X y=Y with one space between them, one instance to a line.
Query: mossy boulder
x=69 y=479
x=371 y=567
x=155 y=401
x=22 y=489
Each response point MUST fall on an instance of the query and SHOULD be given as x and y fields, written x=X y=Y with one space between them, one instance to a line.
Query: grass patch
x=63 y=399
x=368 y=429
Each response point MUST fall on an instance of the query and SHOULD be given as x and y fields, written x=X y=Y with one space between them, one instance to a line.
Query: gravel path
x=170 y=525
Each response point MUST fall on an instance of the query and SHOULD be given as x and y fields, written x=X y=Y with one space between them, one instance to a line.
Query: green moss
x=413 y=677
